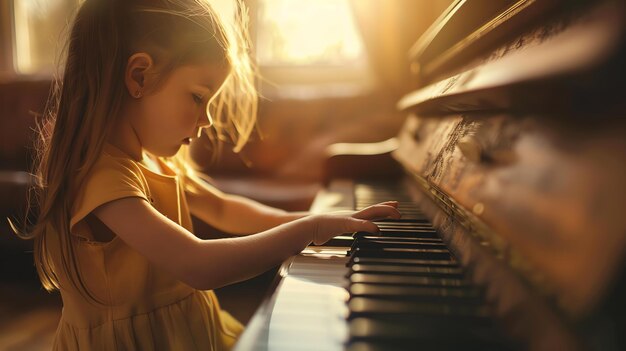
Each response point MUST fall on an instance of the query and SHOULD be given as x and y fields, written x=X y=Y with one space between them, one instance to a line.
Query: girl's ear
x=136 y=71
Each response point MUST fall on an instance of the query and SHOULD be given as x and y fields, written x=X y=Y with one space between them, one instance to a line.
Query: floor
x=28 y=314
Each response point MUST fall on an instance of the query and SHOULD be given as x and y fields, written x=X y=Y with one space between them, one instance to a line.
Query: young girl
x=114 y=233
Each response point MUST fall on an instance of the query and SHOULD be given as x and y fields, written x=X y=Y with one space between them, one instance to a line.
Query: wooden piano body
x=514 y=154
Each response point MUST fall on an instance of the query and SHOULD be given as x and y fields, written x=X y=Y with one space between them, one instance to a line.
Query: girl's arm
x=209 y=264
x=231 y=213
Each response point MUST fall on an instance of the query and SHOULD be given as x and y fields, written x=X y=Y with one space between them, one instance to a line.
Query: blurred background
x=331 y=71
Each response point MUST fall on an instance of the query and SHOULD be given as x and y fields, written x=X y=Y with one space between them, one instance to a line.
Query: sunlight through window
x=38 y=25
x=307 y=32
x=307 y=45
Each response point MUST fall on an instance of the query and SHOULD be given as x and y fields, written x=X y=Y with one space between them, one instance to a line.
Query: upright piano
x=510 y=171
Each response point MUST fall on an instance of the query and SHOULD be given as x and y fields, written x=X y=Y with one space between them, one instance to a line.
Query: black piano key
x=347 y=241
x=387 y=279
x=406 y=219
x=424 y=271
x=385 y=231
x=410 y=345
x=429 y=329
x=368 y=307
x=426 y=227
x=415 y=232
x=408 y=229
x=469 y=295
x=368 y=328
x=400 y=222
x=403 y=262
x=388 y=234
x=430 y=334
x=411 y=228
x=388 y=243
x=424 y=254
x=382 y=346
x=426 y=234
x=391 y=221
x=367 y=236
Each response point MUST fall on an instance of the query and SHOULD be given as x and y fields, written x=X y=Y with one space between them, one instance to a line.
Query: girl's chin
x=174 y=151
x=165 y=152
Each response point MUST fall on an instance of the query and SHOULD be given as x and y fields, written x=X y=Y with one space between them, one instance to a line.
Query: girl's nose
x=205 y=119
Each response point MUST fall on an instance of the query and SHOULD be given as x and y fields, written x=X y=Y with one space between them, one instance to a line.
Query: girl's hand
x=333 y=224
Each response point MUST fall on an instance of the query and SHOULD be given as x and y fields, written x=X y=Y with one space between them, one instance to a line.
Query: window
x=309 y=47
x=37 y=29
x=302 y=47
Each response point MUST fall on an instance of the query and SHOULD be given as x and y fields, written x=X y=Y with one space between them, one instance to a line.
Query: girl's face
x=176 y=111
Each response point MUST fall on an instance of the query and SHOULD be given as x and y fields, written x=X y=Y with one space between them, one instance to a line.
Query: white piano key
x=321 y=251
x=310 y=308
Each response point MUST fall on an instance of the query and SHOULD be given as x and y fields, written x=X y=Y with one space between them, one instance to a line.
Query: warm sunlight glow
x=307 y=32
x=38 y=27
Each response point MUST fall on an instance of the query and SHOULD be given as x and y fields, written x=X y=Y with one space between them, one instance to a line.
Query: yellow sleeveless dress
x=135 y=305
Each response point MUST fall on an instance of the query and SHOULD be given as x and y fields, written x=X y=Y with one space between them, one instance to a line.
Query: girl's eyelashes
x=198 y=99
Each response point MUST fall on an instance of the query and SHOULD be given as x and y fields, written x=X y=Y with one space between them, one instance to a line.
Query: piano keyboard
x=400 y=289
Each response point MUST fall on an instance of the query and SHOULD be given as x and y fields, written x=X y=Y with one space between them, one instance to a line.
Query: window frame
x=7 y=66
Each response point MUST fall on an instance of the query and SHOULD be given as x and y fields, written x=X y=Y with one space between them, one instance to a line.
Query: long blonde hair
x=85 y=102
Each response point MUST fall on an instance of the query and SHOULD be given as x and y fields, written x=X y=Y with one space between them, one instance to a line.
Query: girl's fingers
x=378 y=212
x=361 y=221
x=331 y=226
x=359 y=225
x=338 y=223
x=390 y=203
